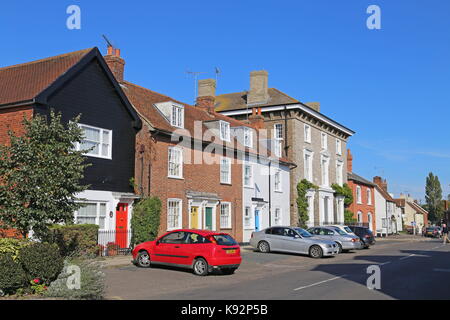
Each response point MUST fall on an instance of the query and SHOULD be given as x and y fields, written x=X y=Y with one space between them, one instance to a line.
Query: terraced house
x=207 y=168
x=302 y=134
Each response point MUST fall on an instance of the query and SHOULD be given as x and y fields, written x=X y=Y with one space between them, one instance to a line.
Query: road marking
x=442 y=245
x=321 y=282
x=441 y=270
x=385 y=263
x=411 y=255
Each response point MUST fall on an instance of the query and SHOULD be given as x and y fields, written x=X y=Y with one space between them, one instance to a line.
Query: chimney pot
x=259 y=90
x=115 y=63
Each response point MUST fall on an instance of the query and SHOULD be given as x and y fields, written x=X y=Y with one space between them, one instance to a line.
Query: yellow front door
x=194 y=217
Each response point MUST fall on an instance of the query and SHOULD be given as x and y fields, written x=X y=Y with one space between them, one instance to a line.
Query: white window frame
x=307 y=133
x=338 y=147
x=248 y=219
x=359 y=216
x=250 y=178
x=98 y=216
x=369 y=196
x=308 y=174
x=324 y=140
x=358 y=195
x=222 y=166
x=339 y=172
x=100 y=143
x=177 y=121
x=325 y=171
x=278 y=186
x=248 y=137
x=228 y=224
x=180 y=214
x=277 y=216
x=225 y=131
x=180 y=160
x=278 y=139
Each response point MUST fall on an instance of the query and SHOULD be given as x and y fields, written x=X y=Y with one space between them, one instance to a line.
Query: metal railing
x=114 y=242
x=355 y=224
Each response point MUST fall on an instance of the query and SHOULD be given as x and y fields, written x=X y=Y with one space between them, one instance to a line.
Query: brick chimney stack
x=206 y=94
x=259 y=88
x=314 y=105
x=115 y=63
x=349 y=161
x=256 y=119
x=382 y=183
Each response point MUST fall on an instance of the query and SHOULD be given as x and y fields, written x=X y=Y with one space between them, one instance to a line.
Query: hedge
x=12 y=276
x=77 y=239
x=12 y=246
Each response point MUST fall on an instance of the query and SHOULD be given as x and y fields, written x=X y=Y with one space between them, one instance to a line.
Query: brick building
x=363 y=206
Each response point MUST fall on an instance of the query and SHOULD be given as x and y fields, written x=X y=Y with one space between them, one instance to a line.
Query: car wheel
x=143 y=260
x=316 y=252
x=263 y=247
x=340 y=247
x=200 y=267
x=228 y=271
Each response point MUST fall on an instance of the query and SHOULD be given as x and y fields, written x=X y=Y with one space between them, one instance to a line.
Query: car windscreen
x=225 y=240
x=303 y=232
x=342 y=233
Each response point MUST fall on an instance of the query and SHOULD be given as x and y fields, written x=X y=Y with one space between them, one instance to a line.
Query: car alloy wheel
x=144 y=259
x=263 y=247
x=316 y=252
x=200 y=267
x=340 y=247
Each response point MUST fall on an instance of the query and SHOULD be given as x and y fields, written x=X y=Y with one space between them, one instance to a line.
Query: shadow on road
x=418 y=274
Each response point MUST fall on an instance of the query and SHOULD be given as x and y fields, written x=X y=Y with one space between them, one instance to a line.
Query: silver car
x=292 y=239
x=344 y=240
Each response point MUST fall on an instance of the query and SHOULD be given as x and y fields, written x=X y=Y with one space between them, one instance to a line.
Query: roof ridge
x=47 y=59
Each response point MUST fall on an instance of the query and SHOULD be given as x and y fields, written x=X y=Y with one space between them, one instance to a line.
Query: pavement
x=411 y=267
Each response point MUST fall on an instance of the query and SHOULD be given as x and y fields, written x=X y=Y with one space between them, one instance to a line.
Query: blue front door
x=256 y=219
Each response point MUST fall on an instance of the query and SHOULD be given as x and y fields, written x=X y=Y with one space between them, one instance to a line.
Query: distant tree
x=433 y=198
x=40 y=175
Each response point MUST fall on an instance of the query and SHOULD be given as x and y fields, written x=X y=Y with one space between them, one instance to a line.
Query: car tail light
x=354 y=240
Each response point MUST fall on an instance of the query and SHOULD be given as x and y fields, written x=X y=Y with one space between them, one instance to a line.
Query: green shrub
x=12 y=246
x=92 y=282
x=12 y=276
x=42 y=261
x=145 y=221
x=77 y=239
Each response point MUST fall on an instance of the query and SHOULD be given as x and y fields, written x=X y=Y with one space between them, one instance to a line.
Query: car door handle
x=178 y=247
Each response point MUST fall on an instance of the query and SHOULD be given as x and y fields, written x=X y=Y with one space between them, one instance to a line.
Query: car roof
x=200 y=232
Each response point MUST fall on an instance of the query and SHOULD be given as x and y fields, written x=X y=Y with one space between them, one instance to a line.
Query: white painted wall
x=260 y=189
x=380 y=212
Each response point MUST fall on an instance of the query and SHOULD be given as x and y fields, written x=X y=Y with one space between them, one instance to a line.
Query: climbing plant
x=302 y=202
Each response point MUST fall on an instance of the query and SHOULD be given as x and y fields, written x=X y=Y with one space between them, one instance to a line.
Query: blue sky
x=391 y=86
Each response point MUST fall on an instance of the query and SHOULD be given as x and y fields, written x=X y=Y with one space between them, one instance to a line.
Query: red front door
x=122 y=225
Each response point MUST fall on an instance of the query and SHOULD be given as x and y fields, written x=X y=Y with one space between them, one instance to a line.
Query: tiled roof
x=418 y=208
x=238 y=100
x=353 y=176
x=143 y=100
x=400 y=202
x=384 y=193
x=23 y=82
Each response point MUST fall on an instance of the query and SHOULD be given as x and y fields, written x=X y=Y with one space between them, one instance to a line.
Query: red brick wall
x=11 y=119
x=196 y=177
x=363 y=207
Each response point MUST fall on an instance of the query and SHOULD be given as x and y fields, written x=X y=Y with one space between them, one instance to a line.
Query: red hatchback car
x=200 y=250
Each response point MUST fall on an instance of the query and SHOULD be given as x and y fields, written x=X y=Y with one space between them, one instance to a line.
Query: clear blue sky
x=391 y=86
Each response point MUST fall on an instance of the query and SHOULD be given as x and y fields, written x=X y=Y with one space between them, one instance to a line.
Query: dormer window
x=224 y=131
x=248 y=137
x=177 y=116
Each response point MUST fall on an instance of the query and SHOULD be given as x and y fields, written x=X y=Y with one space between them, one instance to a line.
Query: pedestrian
x=445 y=233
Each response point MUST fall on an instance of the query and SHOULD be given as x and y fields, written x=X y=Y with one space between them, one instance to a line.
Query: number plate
x=231 y=251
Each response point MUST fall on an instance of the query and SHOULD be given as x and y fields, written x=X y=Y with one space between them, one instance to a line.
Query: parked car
x=433 y=232
x=365 y=234
x=292 y=239
x=344 y=241
x=200 y=250
x=346 y=229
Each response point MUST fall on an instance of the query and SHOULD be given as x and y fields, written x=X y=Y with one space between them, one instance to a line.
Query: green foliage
x=75 y=239
x=12 y=246
x=302 y=202
x=433 y=198
x=12 y=276
x=41 y=174
x=41 y=260
x=92 y=282
x=344 y=191
x=146 y=219
x=348 y=217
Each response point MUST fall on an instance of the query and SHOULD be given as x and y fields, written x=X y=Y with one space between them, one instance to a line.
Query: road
x=408 y=270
